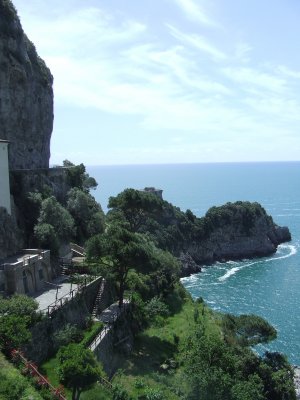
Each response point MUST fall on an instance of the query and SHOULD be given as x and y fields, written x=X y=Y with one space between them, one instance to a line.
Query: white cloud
x=287 y=72
x=195 y=12
x=198 y=42
x=242 y=52
x=255 y=78
x=187 y=90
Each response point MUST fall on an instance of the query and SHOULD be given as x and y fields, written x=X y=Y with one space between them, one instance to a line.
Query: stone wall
x=31 y=180
x=74 y=312
x=10 y=236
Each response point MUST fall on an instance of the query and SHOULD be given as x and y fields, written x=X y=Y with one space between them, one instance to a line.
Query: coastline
x=297 y=380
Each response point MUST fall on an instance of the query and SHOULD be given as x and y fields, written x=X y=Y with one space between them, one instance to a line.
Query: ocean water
x=270 y=286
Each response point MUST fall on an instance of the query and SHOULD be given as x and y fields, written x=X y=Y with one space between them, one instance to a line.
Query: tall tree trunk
x=121 y=292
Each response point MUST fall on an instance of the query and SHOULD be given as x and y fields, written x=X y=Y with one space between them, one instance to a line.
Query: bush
x=91 y=335
x=68 y=334
x=155 y=307
x=120 y=393
x=153 y=394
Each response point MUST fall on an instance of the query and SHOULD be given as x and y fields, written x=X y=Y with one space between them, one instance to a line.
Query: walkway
x=58 y=288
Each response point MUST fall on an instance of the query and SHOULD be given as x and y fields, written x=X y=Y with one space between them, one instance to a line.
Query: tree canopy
x=87 y=214
x=123 y=250
x=78 y=177
x=78 y=368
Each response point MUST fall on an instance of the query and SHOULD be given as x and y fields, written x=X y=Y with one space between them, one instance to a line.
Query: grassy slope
x=155 y=346
x=13 y=384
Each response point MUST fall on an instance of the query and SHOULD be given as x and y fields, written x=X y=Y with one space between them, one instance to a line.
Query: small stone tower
x=4 y=177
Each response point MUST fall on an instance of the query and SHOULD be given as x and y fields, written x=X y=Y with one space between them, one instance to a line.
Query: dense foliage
x=78 y=177
x=87 y=214
x=49 y=221
x=248 y=330
x=218 y=370
x=17 y=315
x=13 y=385
x=123 y=251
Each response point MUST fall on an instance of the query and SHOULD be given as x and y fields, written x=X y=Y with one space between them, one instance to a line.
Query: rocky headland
x=229 y=232
x=237 y=233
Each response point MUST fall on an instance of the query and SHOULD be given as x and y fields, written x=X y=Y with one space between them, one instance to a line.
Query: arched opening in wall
x=28 y=282
x=43 y=273
x=25 y=282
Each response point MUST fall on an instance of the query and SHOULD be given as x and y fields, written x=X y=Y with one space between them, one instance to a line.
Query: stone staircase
x=65 y=265
x=99 y=304
x=78 y=251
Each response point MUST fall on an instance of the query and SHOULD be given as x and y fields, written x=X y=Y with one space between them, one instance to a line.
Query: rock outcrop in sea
x=26 y=101
x=229 y=232
x=232 y=237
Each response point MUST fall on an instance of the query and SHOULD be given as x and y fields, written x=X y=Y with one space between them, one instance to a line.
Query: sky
x=170 y=81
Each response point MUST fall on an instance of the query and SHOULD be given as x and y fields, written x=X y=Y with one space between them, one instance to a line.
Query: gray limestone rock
x=26 y=95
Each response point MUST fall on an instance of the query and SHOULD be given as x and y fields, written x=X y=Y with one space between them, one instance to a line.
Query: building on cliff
x=25 y=273
x=4 y=177
x=153 y=190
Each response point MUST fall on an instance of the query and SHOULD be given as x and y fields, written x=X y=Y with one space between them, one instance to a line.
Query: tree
x=277 y=375
x=252 y=389
x=87 y=214
x=56 y=215
x=55 y=224
x=122 y=250
x=209 y=364
x=136 y=206
x=78 y=368
x=249 y=330
x=78 y=177
x=13 y=331
x=46 y=237
x=19 y=305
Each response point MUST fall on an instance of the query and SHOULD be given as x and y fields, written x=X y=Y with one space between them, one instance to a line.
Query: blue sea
x=270 y=286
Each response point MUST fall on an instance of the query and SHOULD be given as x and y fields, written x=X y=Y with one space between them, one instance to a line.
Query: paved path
x=49 y=296
x=110 y=314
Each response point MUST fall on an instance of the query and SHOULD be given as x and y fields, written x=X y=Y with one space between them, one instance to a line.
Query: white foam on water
x=291 y=247
x=234 y=270
x=292 y=251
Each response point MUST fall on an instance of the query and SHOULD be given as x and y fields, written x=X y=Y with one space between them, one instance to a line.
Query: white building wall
x=4 y=177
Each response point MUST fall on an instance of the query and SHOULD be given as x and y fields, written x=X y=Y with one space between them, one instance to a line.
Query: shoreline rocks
x=297 y=381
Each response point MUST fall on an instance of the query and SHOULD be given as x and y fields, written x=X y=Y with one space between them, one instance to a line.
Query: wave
x=287 y=215
x=233 y=271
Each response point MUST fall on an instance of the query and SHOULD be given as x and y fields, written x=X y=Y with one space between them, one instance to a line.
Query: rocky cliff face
x=231 y=241
x=10 y=236
x=26 y=96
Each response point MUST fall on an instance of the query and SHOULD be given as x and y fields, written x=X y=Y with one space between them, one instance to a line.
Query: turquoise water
x=269 y=286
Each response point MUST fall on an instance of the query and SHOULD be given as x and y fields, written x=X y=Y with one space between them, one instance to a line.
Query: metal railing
x=59 y=302
x=109 y=325
x=33 y=370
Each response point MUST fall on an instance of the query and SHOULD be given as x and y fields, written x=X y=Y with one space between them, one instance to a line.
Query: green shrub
x=91 y=334
x=119 y=393
x=155 y=307
x=68 y=334
x=153 y=394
